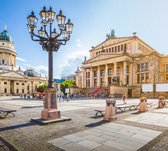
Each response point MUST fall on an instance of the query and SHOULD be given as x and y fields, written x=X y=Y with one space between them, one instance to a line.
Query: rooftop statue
x=111 y=35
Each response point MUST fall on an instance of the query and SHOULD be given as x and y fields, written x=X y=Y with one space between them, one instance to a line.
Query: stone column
x=98 y=76
x=115 y=69
x=106 y=75
x=131 y=74
x=124 y=73
x=84 y=79
x=91 y=77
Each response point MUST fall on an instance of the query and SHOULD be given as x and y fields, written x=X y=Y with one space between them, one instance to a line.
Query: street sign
x=58 y=80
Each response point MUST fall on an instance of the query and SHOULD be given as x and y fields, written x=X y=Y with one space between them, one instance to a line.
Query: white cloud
x=42 y=69
x=73 y=59
x=20 y=59
x=78 y=43
x=27 y=64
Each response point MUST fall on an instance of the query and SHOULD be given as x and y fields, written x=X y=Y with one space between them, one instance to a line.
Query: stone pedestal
x=50 y=111
x=143 y=105
x=110 y=113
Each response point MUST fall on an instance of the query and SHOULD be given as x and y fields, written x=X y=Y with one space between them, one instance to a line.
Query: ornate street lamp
x=50 y=41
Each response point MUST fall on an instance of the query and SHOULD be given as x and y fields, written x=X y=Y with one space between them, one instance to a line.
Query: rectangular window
x=112 y=49
x=101 y=81
x=109 y=49
x=5 y=82
x=115 y=49
x=109 y=72
x=147 y=66
x=87 y=83
x=17 y=90
x=142 y=67
x=101 y=72
x=95 y=73
x=22 y=90
x=118 y=48
x=95 y=82
x=87 y=74
x=106 y=50
x=5 y=90
x=121 y=47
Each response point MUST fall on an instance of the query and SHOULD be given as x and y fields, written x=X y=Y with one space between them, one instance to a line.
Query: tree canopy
x=42 y=87
x=67 y=84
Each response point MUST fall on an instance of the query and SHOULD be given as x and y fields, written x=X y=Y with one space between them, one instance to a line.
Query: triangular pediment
x=102 y=57
x=112 y=41
x=12 y=74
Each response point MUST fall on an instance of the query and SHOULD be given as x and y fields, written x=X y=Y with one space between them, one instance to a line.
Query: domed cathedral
x=122 y=65
x=13 y=80
x=7 y=52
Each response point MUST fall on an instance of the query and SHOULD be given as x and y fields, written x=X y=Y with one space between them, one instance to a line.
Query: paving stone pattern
x=151 y=119
x=109 y=136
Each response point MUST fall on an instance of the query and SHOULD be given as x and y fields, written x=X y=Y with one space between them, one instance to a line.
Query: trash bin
x=143 y=104
x=110 y=113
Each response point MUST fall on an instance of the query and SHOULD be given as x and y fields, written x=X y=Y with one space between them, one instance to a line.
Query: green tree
x=42 y=87
x=67 y=84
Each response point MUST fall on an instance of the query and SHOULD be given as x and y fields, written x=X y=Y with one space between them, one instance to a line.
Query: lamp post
x=50 y=40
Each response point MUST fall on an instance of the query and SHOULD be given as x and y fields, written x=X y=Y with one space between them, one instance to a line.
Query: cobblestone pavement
x=25 y=135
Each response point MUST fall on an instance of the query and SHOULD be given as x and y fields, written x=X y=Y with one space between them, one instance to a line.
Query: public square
x=83 y=76
x=131 y=130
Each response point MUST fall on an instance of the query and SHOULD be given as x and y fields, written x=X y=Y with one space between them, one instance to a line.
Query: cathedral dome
x=31 y=73
x=5 y=36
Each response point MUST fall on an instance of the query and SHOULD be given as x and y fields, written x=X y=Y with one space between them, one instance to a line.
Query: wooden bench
x=5 y=112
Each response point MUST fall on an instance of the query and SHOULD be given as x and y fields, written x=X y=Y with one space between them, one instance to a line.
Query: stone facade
x=123 y=61
x=13 y=81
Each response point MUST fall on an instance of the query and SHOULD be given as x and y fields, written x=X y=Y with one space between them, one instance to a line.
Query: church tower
x=7 y=52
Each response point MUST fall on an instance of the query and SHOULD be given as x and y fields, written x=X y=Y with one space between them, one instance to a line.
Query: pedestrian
x=124 y=98
x=25 y=96
x=67 y=97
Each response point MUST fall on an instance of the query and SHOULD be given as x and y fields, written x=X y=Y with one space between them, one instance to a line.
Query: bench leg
x=9 y=113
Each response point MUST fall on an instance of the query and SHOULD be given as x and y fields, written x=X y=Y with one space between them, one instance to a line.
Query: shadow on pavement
x=96 y=124
x=16 y=126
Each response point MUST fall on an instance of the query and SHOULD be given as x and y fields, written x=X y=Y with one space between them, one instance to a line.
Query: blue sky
x=92 y=20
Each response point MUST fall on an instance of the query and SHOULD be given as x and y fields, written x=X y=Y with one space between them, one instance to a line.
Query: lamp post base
x=50 y=114
x=50 y=111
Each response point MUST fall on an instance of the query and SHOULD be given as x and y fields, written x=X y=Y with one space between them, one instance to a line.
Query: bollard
x=110 y=113
x=143 y=104
x=161 y=102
